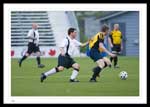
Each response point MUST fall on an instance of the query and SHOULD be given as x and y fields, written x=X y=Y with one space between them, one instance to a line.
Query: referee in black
x=33 y=45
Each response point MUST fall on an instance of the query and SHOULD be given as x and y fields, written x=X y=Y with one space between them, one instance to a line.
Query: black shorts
x=32 y=48
x=116 y=48
x=65 y=61
x=95 y=55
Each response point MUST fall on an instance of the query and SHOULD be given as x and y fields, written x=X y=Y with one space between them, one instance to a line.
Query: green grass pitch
x=25 y=81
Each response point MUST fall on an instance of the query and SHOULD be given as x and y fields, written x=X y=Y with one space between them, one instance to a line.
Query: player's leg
x=29 y=51
x=111 y=58
x=75 y=72
x=118 y=49
x=51 y=72
x=23 y=58
x=54 y=70
x=60 y=67
x=116 y=62
x=95 y=56
x=107 y=62
x=114 y=51
x=97 y=69
x=38 y=59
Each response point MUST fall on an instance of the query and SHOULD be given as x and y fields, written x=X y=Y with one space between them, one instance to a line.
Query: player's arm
x=79 y=44
x=62 y=52
x=84 y=44
x=109 y=40
x=105 y=50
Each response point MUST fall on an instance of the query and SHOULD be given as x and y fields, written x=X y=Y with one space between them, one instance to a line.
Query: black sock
x=115 y=60
x=76 y=69
x=111 y=58
x=105 y=65
x=56 y=69
x=38 y=60
x=23 y=58
x=96 y=71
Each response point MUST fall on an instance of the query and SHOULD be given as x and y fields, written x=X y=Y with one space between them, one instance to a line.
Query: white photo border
x=142 y=98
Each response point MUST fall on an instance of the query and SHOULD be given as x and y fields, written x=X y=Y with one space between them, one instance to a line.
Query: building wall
x=91 y=26
x=131 y=20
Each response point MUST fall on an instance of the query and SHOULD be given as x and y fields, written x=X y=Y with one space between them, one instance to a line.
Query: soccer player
x=65 y=59
x=97 y=47
x=115 y=42
x=33 y=45
x=102 y=53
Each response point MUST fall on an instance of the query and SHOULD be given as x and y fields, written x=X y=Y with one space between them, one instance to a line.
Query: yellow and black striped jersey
x=95 y=40
x=116 y=37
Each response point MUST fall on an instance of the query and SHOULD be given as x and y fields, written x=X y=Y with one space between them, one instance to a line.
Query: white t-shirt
x=31 y=34
x=72 y=46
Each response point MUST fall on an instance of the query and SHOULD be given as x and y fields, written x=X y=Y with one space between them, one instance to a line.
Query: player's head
x=34 y=25
x=116 y=26
x=105 y=29
x=72 y=32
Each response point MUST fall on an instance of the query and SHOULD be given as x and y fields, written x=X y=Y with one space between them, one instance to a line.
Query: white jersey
x=33 y=34
x=73 y=44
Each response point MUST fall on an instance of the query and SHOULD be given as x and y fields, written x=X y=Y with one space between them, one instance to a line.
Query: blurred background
x=53 y=26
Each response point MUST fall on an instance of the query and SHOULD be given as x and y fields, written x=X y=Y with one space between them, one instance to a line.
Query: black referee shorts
x=65 y=61
x=32 y=48
x=116 y=48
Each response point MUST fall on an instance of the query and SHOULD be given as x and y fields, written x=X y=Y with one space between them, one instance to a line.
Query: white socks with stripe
x=50 y=72
x=53 y=71
x=74 y=74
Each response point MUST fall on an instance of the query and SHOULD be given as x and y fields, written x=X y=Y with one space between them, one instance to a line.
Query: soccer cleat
x=19 y=63
x=116 y=66
x=74 y=80
x=109 y=66
x=43 y=77
x=92 y=80
x=41 y=66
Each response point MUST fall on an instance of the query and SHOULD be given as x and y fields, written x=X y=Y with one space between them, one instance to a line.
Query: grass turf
x=25 y=81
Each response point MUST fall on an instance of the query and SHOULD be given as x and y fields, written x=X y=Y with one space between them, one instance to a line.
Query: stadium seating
x=21 y=22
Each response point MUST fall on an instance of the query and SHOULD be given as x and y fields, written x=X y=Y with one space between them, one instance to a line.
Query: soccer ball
x=123 y=75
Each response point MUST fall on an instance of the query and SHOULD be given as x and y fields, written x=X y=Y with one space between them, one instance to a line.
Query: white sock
x=50 y=72
x=74 y=74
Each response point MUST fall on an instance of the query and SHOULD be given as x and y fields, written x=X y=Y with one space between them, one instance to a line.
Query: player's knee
x=101 y=63
x=76 y=66
x=60 y=68
x=107 y=61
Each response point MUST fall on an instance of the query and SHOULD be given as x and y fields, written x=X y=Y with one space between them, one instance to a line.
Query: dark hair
x=71 y=30
x=104 y=28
